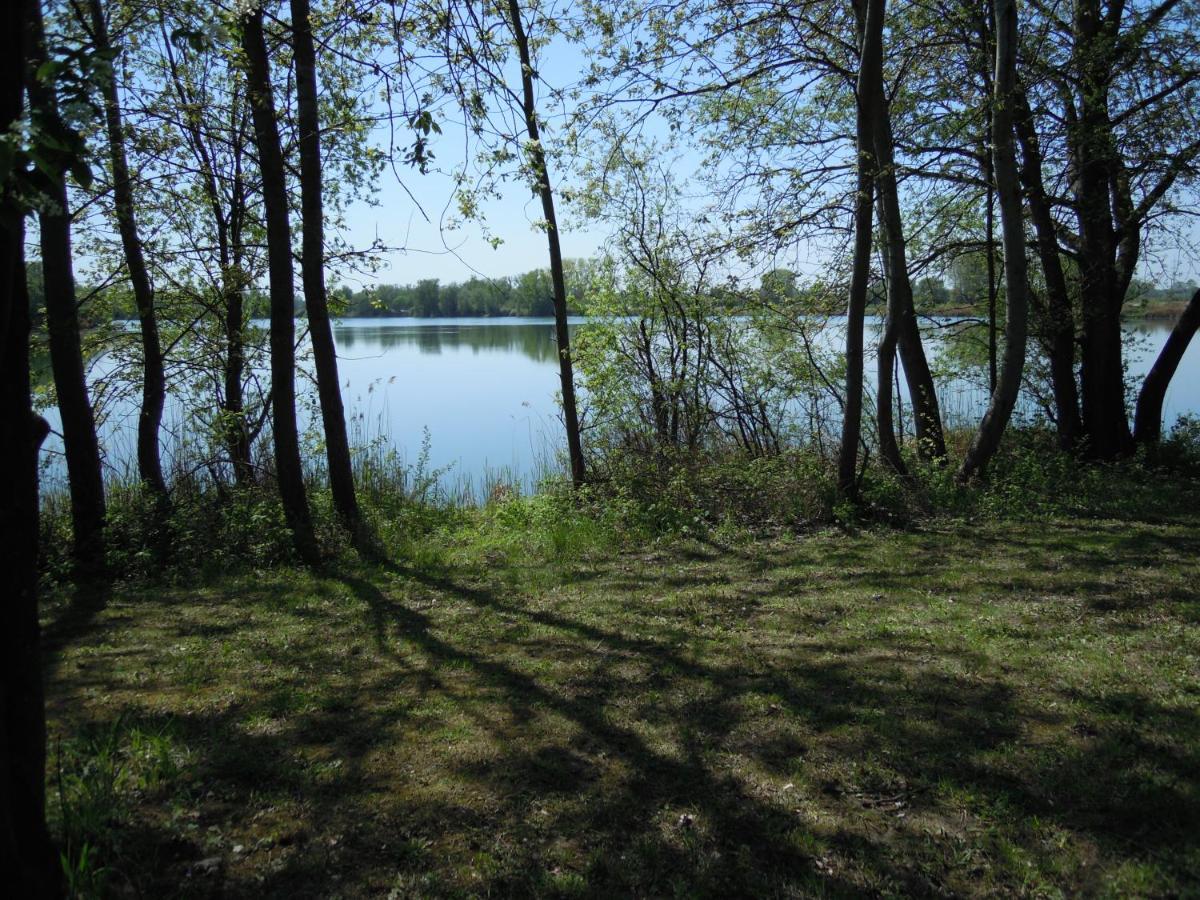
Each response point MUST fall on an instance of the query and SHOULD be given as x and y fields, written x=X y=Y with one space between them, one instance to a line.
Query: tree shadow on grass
x=560 y=754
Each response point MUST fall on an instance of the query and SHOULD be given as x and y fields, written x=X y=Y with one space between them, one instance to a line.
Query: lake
x=484 y=389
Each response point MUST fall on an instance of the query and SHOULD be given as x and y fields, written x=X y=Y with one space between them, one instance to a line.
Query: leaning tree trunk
x=870 y=71
x=931 y=442
x=1058 y=321
x=537 y=159
x=27 y=855
x=288 y=467
x=62 y=324
x=1008 y=192
x=154 y=383
x=1147 y=421
x=312 y=264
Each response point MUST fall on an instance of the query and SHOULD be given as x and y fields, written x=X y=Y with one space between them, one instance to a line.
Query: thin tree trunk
x=312 y=263
x=1008 y=191
x=538 y=160
x=989 y=179
x=237 y=439
x=62 y=324
x=1058 y=319
x=1147 y=421
x=931 y=442
x=288 y=467
x=27 y=856
x=154 y=383
x=990 y=216
x=870 y=71
x=889 y=450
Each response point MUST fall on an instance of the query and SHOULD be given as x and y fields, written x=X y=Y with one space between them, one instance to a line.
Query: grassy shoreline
x=965 y=708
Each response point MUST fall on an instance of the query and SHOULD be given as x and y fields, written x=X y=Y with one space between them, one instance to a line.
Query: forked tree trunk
x=1147 y=421
x=931 y=442
x=27 y=857
x=312 y=263
x=537 y=159
x=154 y=383
x=288 y=468
x=1008 y=192
x=81 y=447
x=870 y=71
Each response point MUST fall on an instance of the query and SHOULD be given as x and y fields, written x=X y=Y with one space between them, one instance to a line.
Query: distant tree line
x=528 y=294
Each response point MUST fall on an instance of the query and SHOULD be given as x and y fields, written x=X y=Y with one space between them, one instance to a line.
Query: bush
x=674 y=492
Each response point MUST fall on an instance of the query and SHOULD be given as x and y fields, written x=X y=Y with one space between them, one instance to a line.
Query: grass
x=962 y=709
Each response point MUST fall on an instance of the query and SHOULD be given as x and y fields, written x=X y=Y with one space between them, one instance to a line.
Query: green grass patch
x=538 y=707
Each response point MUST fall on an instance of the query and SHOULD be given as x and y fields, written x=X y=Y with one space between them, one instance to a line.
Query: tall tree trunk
x=1008 y=191
x=154 y=383
x=1147 y=421
x=537 y=158
x=62 y=324
x=288 y=467
x=1057 y=320
x=1101 y=286
x=312 y=262
x=870 y=71
x=931 y=442
x=27 y=855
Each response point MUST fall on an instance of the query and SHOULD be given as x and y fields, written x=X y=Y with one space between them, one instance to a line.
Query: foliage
x=527 y=294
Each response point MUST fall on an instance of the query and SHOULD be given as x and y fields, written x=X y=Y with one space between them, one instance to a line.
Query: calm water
x=485 y=390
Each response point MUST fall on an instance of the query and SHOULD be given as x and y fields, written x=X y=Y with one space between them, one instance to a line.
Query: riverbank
x=963 y=708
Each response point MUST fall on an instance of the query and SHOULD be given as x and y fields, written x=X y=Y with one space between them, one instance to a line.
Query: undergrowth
x=631 y=498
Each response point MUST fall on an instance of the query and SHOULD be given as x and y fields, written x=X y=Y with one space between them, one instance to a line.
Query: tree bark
x=537 y=158
x=288 y=467
x=1101 y=285
x=870 y=71
x=312 y=263
x=1008 y=192
x=889 y=450
x=931 y=442
x=27 y=855
x=1147 y=421
x=154 y=383
x=62 y=323
x=1058 y=321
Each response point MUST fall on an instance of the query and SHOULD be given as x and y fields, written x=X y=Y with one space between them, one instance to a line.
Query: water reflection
x=486 y=391
x=530 y=338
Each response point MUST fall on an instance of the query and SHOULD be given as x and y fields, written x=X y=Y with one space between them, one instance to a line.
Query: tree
x=27 y=855
x=288 y=467
x=62 y=320
x=541 y=174
x=333 y=417
x=1117 y=103
x=213 y=255
x=1147 y=422
x=154 y=384
x=1057 y=319
x=1008 y=191
x=901 y=313
x=870 y=66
